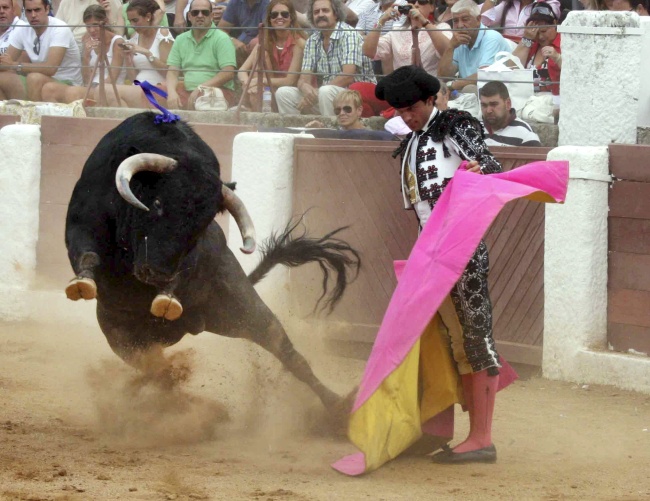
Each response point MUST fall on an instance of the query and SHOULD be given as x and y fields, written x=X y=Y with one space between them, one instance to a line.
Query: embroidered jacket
x=449 y=137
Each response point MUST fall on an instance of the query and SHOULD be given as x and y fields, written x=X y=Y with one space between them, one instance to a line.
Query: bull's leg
x=83 y=286
x=276 y=341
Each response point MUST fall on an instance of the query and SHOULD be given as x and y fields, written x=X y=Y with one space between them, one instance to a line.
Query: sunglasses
x=285 y=14
x=545 y=11
x=344 y=109
x=196 y=12
x=419 y=2
x=37 y=46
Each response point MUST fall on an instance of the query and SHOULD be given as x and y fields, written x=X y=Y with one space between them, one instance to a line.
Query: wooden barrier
x=628 y=312
x=356 y=183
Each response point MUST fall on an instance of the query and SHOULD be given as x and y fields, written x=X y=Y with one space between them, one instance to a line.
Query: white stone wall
x=20 y=177
x=575 y=280
x=600 y=82
x=643 y=114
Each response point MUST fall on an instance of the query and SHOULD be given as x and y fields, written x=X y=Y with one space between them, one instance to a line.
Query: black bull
x=142 y=240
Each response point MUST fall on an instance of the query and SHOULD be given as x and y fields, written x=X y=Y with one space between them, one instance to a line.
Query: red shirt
x=283 y=57
x=553 y=69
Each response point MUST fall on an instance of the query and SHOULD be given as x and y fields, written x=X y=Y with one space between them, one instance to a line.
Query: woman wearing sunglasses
x=348 y=108
x=95 y=18
x=283 y=50
x=394 y=49
x=512 y=15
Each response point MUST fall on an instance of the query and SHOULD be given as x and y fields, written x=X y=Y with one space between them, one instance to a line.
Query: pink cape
x=461 y=217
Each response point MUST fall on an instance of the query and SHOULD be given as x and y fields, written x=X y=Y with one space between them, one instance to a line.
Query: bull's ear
x=231 y=185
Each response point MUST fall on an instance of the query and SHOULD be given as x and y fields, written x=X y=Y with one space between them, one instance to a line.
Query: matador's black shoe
x=486 y=455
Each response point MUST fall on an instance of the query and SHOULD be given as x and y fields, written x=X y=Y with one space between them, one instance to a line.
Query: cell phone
x=404 y=9
x=124 y=45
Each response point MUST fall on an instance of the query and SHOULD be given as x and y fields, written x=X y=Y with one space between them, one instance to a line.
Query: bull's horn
x=141 y=162
x=238 y=210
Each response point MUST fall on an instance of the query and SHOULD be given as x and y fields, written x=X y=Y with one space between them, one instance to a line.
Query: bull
x=142 y=240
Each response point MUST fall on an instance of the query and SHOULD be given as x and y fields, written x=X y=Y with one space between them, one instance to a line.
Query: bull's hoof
x=81 y=288
x=166 y=306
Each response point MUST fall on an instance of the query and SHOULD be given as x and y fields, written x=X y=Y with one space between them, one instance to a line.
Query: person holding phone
x=95 y=18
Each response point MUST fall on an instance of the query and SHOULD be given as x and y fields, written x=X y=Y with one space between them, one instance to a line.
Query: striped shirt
x=344 y=48
x=516 y=133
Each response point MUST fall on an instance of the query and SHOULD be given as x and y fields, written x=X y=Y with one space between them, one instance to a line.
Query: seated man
x=241 y=20
x=52 y=52
x=470 y=48
x=500 y=120
x=8 y=20
x=205 y=56
x=333 y=57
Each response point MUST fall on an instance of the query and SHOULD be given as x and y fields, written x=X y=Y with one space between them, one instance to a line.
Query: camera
x=404 y=9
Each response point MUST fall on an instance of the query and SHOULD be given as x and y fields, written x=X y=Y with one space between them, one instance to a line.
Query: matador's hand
x=473 y=166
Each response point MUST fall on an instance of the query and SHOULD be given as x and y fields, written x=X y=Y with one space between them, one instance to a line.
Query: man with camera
x=332 y=61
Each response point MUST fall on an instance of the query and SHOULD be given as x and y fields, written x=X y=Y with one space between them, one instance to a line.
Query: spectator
x=95 y=17
x=641 y=7
x=358 y=6
x=218 y=8
x=348 y=108
x=241 y=20
x=638 y=6
x=159 y=17
x=146 y=54
x=333 y=60
x=540 y=48
x=500 y=119
x=369 y=18
x=444 y=12
x=283 y=49
x=71 y=13
x=205 y=56
x=52 y=51
x=8 y=21
x=394 y=49
x=470 y=48
x=511 y=15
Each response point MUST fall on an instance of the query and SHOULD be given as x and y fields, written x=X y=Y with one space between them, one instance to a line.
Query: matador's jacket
x=431 y=157
x=429 y=160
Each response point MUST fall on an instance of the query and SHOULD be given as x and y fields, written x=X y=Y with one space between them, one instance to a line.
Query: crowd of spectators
x=312 y=50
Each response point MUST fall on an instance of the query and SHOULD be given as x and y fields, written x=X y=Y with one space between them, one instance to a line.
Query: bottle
x=266 y=100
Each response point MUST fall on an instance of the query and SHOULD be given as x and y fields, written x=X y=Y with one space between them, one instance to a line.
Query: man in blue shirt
x=241 y=20
x=470 y=48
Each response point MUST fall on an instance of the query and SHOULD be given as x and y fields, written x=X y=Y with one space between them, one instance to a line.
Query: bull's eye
x=157 y=205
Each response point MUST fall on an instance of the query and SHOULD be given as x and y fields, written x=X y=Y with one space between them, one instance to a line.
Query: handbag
x=211 y=99
x=517 y=79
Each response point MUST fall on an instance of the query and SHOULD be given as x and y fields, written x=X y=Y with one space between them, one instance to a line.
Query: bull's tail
x=331 y=254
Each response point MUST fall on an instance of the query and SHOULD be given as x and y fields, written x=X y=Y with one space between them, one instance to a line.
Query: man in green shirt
x=205 y=56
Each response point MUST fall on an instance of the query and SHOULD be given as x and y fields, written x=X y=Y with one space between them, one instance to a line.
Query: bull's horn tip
x=249 y=246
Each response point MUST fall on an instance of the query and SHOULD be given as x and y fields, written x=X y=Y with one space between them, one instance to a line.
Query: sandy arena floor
x=77 y=424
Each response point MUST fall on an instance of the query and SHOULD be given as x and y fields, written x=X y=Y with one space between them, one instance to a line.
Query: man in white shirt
x=8 y=20
x=52 y=52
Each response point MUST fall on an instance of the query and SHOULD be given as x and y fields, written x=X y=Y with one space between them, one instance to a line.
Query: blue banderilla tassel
x=148 y=89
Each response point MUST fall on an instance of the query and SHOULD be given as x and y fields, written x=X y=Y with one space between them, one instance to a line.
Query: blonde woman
x=348 y=108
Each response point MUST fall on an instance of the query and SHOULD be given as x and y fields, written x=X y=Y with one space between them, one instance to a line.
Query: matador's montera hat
x=406 y=86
